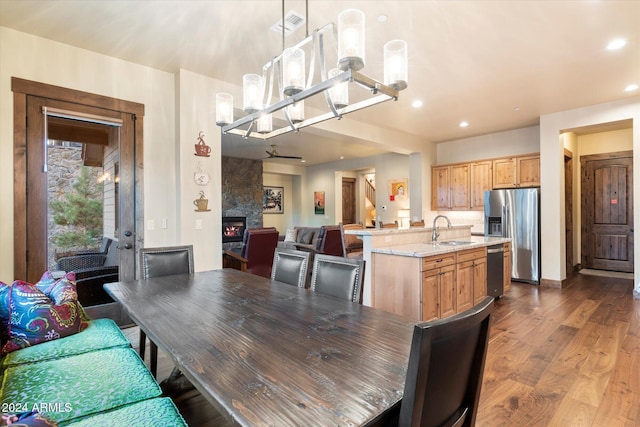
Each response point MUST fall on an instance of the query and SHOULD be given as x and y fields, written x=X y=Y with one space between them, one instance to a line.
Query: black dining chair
x=163 y=261
x=291 y=266
x=338 y=276
x=446 y=365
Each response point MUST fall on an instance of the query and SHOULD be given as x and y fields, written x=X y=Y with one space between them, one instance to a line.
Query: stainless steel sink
x=454 y=243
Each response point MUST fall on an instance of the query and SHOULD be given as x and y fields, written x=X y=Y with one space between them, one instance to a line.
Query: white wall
x=500 y=144
x=280 y=221
x=552 y=180
x=34 y=58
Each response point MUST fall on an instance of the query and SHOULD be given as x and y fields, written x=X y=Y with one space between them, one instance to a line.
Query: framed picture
x=399 y=189
x=273 y=200
x=318 y=202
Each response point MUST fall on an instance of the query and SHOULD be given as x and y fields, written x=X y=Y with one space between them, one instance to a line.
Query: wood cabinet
x=438 y=286
x=514 y=172
x=481 y=181
x=507 y=268
x=450 y=187
x=471 y=278
x=428 y=288
x=461 y=186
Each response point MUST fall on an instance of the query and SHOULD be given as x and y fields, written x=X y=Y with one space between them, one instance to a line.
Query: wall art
x=273 y=200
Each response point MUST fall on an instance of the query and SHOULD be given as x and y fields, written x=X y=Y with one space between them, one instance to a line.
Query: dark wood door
x=607 y=211
x=348 y=200
x=31 y=206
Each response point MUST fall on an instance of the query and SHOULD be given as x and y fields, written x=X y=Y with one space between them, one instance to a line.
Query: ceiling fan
x=273 y=154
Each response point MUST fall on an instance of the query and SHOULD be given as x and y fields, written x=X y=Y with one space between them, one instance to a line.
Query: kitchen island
x=409 y=275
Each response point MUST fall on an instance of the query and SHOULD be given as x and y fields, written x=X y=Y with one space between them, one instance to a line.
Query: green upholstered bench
x=149 y=413
x=80 y=385
x=99 y=335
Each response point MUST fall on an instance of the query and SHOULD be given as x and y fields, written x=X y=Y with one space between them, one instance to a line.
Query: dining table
x=266 y=353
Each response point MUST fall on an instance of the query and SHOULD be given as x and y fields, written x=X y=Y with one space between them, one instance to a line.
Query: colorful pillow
x=36 y=317
x=27 y=419
x=4 y=312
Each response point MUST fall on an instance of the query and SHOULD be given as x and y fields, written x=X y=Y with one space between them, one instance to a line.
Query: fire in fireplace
x=233 y=228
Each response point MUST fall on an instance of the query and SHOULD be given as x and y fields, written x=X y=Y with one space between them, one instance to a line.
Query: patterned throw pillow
x=4 y=312
x=27 y=419
x=36 y=317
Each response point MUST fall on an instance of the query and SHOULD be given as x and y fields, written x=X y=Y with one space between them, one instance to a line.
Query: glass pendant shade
x=252 y=90
x=395 y=64
x=224 y=109
x=265 y=124
x=351 y=40
x=293 y=71
x=296 y=112
x=339 y=93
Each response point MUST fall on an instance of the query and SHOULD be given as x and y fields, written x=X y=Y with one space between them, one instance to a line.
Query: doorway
x=104 y=134
x=607 y=211
x=348 y=200
x=568 y=209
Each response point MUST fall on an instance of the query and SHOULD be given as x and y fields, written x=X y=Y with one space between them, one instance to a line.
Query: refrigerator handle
x=505 y=220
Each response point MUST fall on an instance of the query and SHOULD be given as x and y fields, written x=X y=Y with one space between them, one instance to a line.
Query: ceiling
x=497 y=65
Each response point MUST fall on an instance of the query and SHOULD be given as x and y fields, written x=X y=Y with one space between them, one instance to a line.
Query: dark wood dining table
x=266 y=353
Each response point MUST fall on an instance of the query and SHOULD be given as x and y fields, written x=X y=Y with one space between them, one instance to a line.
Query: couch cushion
x=149 y=413
x=35 y=317
x=98 y=335
x=80 y=385
x=306 y=235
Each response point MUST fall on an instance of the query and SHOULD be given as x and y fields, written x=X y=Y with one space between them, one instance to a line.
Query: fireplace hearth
x=233 y=228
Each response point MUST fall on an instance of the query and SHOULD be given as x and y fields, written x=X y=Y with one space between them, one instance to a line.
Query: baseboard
x=548 y=283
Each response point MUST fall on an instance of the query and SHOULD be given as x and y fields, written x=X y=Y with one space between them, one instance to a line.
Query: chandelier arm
x=323 y=74
x=289 y=121
x=248 y=132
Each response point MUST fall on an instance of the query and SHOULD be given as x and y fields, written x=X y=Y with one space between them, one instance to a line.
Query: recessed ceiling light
x=341 y=157
x=631 y=88
x=416 y=104
x=616 y=44
x=516 y=108
x=382 y=18
x=303 y=161
x=464 y=124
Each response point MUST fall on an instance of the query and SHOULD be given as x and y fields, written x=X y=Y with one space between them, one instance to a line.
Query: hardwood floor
x=557 y=357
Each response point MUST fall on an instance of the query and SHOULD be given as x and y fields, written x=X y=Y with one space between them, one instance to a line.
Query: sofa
x=87 y=378
x=300 y=237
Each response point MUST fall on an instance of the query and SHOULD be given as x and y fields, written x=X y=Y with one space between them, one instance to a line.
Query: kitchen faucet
x=435 y=234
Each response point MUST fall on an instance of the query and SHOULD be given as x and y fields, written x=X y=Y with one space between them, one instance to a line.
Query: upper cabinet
x=461 y=186
x=481 y=181
x=514 y=172
x=450 y=187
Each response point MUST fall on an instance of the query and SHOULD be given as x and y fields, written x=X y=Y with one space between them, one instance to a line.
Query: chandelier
x=288 y=71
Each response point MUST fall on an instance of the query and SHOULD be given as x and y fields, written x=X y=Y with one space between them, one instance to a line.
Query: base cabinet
x=429 y=288
x=507 y=267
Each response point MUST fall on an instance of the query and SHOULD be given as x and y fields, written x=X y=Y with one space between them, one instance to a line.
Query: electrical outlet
x=151 y=225
x=164 y=223
x=198 y=224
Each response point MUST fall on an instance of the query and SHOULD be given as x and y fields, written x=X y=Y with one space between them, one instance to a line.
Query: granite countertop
x=421 y=250
x=380 y=231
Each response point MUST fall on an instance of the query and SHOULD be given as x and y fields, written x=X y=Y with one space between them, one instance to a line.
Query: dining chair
x=351 y=244
x=162 y=261
x=291 y=266
x=338 y=276
x=417 y=224
x=446 y=365
x=389 y=224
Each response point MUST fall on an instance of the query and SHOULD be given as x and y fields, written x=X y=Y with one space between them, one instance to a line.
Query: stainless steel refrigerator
x=516 y=214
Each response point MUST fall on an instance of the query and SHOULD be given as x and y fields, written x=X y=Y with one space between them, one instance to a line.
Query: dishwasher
x=495 y=270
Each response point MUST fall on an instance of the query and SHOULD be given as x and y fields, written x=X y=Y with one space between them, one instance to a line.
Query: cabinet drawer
x=429 y=263
x=470 y=254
